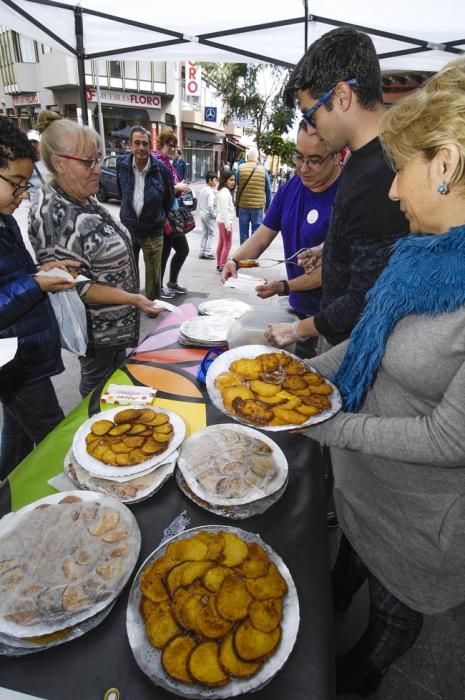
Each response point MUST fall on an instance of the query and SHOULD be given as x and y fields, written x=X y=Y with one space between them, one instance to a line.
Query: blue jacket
x=158 y=197
x=25 y=313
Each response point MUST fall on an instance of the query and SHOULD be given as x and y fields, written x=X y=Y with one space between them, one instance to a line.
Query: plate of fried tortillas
x=213 y=612
x=123 y=442
x=270 y=389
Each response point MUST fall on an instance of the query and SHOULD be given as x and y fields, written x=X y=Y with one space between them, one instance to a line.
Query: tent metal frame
x=208 y=39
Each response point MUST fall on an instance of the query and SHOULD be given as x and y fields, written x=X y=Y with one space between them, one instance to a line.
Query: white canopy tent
x=416 y=36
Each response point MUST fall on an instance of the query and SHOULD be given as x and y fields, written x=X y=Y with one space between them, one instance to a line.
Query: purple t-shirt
x=302 y=216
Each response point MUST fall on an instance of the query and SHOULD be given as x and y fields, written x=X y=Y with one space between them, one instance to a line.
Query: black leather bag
x=180 y=221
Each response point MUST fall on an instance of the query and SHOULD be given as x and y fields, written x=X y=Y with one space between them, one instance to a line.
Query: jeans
x=252 y=217
x=152 y=249
x=97 y=368
x=30 y=412
x=208 y=234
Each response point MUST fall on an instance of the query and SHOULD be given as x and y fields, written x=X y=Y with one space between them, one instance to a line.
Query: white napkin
x=166 y=305
x=244 y=283
x=58 y=272
x=8 y=348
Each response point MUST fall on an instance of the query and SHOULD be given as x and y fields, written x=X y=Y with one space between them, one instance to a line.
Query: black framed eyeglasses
x=17 y=189
x=89 y=163
x=310 y=161
x=308 y=114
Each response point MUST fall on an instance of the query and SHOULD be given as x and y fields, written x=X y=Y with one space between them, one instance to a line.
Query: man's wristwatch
x=285 y=290
x=235 y=262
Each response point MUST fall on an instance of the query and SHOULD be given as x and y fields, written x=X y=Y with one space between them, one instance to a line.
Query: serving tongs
x=246 y=263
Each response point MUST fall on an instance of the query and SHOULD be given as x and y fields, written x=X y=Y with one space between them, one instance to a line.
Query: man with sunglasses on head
x=300 y=210
x=337 y=85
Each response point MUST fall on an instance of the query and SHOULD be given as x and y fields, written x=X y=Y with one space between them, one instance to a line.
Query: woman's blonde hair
x=166 y=136
x=430 y=117
x=63 y=137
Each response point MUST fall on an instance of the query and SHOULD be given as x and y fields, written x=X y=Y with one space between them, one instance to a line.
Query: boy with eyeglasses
x=30 y=406
x=337 y=85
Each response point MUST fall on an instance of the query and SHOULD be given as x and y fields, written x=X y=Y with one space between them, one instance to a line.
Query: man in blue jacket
x=30 y=405
x=147 y=193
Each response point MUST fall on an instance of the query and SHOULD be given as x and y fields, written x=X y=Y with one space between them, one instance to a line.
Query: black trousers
x=179 y=244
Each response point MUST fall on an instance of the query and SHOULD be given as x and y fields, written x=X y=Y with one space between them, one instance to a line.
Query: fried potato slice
x=296 y=367
x=215 y=543
x=275 y=400
x=312 y=378
x=152 y=586
x=91 y=437
x=133 y=440
x=150 y=447
x=232 y=664
x=96 y=449
x=128 y=415
x=196 y=569
x=294 y=382
x=273 y=360
x=146 y=416
x=256 y=562
x=158 y=419
x=252 y=411
x=235 y=550
x=120 y=447
x=162 y=566
x=323 y=389
x=249 y=368
x=302 y=392
x=165 y=429
x=161 y=626
x=204 y=667
x=137 y=456
x=160 y=437
x=233 y=392
x=308 y=411
x=209 y=621
x=226 y=379
x=291 y=404
x=233 y=599
x=188 y=611
x=109 y=457
x=178 y=599
x=265 y=615
x=101 y=427
x=318 y=400
x=264 y=388
x=174 y=578
x=192 y=549
x=290 y=417
x=147 y=607
x=120 y=429
x=137 y=429
x=122 y=460
x=252 y=645
x=277 y=421
x=214 y=577
x=175 y=655
x=272 y=585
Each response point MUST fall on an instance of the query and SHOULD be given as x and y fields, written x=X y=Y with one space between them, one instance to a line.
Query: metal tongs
x=243 y=264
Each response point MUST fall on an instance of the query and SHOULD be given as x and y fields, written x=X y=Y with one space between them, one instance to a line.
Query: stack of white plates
x=205 y=331
x=224 y=307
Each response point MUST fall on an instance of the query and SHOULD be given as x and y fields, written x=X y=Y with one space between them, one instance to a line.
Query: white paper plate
x=275 y=484
x=206 y=329
x=222 y=364
x=229 y=307
x=65 y=540
x=97 y=468
x=149 y=659
x=155 y=479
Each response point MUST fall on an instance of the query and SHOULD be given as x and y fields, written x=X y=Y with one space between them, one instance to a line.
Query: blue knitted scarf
x=426 y=275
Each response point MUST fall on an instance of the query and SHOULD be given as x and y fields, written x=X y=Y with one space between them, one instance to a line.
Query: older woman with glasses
x=398 y=447
x=68 y=222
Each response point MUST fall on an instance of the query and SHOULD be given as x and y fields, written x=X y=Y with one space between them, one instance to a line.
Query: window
x=115 y=69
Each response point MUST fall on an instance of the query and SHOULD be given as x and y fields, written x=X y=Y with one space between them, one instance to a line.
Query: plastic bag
x=71 y=316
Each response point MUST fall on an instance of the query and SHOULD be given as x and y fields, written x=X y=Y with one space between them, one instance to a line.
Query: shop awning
x=200 y=135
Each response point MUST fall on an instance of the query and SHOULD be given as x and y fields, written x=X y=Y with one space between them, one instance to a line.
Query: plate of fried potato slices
x=212 y=612
x=124 y=442
x=270 y=389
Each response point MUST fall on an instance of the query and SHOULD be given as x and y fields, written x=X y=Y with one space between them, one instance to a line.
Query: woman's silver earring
x=443 y=187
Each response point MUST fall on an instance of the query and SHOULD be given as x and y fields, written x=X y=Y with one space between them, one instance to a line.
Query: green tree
x=252 y=91
x=275 y=146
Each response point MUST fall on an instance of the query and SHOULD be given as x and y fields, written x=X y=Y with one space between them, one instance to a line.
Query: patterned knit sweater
x=62 y=228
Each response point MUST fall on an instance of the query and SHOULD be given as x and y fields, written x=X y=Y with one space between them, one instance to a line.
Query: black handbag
x=180 y=220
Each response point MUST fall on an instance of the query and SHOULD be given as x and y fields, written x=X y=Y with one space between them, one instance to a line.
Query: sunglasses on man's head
x=308 y=115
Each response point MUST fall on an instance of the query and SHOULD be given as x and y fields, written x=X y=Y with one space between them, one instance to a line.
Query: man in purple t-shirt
x=300 y=210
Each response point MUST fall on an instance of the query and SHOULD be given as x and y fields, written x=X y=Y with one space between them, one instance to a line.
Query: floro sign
x=134 y=99
x=29 y=98
x=193 y=79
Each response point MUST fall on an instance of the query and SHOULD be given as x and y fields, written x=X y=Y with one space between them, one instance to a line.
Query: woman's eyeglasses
x=308 y=115
x=17 y=189
x=89 y=163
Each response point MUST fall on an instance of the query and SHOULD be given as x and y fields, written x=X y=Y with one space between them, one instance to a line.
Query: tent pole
x=306 y=24
x=78 y=28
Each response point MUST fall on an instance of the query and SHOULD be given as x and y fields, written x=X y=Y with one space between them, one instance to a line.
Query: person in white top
x=225 y=213
x=207 y=211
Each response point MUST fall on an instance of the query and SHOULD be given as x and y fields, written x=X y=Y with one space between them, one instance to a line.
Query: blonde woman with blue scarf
x=398 y=447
